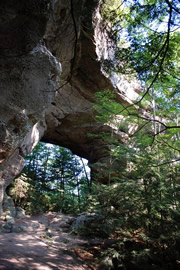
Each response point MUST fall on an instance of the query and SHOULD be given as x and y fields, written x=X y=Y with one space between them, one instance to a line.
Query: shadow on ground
x=45 y=245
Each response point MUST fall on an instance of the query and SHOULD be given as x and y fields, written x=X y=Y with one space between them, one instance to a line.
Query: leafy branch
x=166 y=46
x=165 y=163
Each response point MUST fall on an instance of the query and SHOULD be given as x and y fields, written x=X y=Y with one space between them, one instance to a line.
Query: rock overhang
x=41 y=100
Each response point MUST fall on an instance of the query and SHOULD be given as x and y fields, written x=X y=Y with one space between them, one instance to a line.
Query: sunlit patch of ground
x=45 y=246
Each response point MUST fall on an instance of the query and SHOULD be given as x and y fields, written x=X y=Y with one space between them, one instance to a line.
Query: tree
x=147 y=37
x=53 y=179
x=143 y=200
x=65 y=171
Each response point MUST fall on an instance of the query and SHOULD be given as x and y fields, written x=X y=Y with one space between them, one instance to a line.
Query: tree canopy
x=147 y=34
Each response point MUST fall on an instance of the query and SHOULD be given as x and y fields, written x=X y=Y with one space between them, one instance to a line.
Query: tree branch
x=168 y=145
x=167 y=127
x=172 y=7
x=166 y=44
x=164 y=163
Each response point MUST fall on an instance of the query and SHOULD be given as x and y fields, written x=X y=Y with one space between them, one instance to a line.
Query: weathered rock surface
x=50 y=59
x=91 y=224
x=8 y=207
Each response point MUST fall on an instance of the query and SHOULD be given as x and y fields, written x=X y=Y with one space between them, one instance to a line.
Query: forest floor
x=44 y=242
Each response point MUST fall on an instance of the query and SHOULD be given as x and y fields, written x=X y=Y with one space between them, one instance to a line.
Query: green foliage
x=143 y=223
x=53 y=179
x=147 y=37
x=113 y=12
x=25 y=195
x=145 y=195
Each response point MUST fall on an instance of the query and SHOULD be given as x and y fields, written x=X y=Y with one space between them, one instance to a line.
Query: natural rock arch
x=51 y=66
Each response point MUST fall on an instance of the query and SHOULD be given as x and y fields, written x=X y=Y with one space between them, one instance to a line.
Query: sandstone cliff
x=51 y=56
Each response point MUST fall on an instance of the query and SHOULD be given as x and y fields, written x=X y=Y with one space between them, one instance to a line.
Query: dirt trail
x=44 y=244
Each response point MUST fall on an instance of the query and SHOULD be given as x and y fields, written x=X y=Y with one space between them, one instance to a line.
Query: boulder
x=8 y=226
x=20 y=213
x=91 y=224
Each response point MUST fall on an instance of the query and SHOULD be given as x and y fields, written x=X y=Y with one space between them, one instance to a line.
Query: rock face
x=50 y=58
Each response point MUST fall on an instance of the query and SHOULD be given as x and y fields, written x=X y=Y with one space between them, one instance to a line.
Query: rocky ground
x=43 y=242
